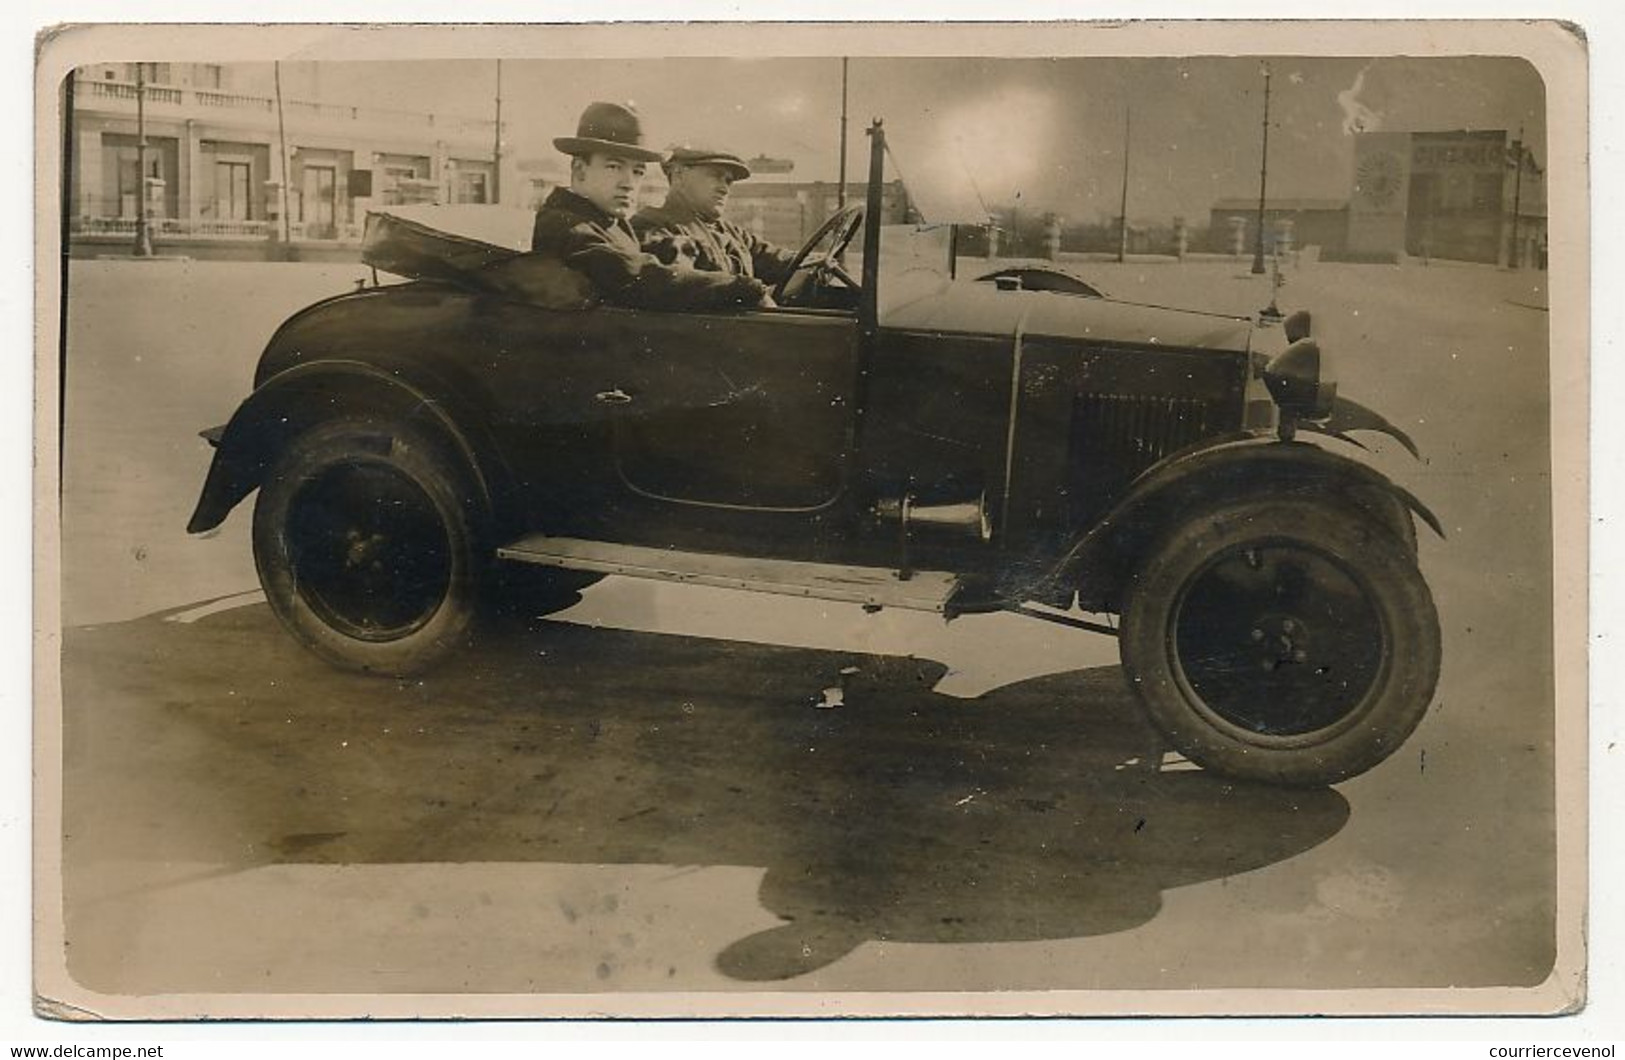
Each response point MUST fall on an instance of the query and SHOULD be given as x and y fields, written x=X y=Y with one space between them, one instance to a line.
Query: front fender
x=309 y=393
x=1348 y=415
x=1223 y=471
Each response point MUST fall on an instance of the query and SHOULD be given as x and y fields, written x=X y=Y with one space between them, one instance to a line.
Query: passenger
x=689 y=226
x=585 y=225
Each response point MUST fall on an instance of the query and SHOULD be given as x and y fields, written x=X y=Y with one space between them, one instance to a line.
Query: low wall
x=218 y=249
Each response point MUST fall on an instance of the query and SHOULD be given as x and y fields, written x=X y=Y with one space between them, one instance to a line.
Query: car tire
x=370 y=545
x=1287 y=641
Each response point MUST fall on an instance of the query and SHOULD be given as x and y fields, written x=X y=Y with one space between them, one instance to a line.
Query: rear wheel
x=1287 y=641
x=370 y=546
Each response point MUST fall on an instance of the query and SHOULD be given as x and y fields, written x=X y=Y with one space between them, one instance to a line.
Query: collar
x=570 y=201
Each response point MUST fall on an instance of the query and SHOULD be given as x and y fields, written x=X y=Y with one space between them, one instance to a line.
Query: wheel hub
x=1280 y=640
x=1277 y=640
x=369 y=551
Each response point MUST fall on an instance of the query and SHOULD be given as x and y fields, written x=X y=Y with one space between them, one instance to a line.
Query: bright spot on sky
x=995 y=144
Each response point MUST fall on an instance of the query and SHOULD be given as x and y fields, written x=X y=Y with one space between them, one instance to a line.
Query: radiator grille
x=1117 y=436
x=1141 y=430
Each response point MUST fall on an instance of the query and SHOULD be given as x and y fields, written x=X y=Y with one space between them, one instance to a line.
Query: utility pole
x=840 y=188
x=1517 y=191
x=143 y=234
x=496 y=147
x=1263 y=181
x=287 y=172
x=1122 y=210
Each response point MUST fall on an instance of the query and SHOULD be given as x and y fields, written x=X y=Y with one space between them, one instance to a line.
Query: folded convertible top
x=438 y=242
x=484 y=247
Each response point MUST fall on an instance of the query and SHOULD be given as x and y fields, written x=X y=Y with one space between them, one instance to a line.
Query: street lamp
x=496 y=146
x=1263 y=180
x=143 y=234
x=840 y=186
x=1122 y=210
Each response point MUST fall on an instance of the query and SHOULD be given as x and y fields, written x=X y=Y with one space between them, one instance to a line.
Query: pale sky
x=1050 y=130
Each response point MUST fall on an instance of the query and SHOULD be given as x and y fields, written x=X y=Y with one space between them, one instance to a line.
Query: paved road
x=985 y=811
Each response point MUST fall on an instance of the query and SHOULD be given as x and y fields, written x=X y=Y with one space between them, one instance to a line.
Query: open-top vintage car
x=889 y=434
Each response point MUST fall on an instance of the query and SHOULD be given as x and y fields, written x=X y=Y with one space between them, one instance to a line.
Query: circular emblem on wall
x=1377 y=179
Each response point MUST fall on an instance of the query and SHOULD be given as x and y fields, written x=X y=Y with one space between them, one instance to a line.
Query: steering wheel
x=821 y=252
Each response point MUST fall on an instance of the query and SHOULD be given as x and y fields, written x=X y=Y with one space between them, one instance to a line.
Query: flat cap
x=687 y=155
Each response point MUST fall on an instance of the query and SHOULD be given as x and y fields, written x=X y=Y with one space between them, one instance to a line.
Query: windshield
x=914 y=259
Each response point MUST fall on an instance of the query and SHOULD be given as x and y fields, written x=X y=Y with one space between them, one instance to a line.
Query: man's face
x=608 y=182
x=703 y=189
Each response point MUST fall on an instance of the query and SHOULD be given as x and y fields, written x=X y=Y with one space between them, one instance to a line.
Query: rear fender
x=1102 y=561
x=313 y=392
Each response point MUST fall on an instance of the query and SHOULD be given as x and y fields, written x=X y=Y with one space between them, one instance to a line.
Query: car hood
x=982 y=309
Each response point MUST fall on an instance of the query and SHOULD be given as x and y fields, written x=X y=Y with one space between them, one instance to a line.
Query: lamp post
x=496 y=147
x=286 y=249
x=1263 y=180
x=143 y=234
x=840 y=187
x=1517 y=194
x=1122 y=209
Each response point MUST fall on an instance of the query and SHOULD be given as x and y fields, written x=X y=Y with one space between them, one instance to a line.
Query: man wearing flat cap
x=689 y=227
x=585 y=225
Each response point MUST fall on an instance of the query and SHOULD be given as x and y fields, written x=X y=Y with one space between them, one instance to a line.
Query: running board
x=923 y=590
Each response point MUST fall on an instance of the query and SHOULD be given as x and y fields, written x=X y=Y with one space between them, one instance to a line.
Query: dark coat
x=676 y=235
x=571 y=229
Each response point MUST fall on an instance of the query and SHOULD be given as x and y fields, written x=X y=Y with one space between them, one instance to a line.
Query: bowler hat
x=705 y=156
x=612 y=128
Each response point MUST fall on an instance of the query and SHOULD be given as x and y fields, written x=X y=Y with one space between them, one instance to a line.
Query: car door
x=750 y=411
x=653 y=420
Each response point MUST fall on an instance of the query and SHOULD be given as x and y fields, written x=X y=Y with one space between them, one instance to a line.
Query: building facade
x=1474 y=195
x=216 y=181
x=218 y=185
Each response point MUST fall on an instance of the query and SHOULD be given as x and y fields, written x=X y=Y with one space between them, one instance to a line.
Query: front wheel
x=369 y=546
x=1287 y=641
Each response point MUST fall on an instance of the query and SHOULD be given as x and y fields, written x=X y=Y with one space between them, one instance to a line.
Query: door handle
x=612 y=397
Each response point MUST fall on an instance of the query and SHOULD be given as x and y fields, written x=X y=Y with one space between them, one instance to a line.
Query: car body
x=888 y=435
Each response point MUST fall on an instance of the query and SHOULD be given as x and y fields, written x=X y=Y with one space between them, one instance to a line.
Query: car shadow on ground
x=1039 y=811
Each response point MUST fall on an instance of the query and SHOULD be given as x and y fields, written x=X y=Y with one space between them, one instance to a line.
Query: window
x=471 y=187
x=206 y=75
x=156 y=73
x=319 y=204
x=129 y=180
x=231 y=198
x=129 y=184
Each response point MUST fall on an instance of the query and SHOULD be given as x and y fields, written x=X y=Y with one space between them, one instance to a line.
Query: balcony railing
x=210 y=98
x=128 y=90
x=299 y=112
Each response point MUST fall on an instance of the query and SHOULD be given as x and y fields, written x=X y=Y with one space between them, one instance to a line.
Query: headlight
x=1294 y=381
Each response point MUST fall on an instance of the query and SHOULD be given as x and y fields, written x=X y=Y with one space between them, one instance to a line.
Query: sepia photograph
x=681 y=520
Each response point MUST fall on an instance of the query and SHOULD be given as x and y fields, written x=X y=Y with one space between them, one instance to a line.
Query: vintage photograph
x=614 y=521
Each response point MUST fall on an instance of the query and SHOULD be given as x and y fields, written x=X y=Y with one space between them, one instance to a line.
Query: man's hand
x=767 y=301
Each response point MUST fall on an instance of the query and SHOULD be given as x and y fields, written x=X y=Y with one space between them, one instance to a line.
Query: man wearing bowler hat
x=585 y=225
x=689 y=227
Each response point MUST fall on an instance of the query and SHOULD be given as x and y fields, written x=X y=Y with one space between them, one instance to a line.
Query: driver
x=688 y=227
x=585 y=225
